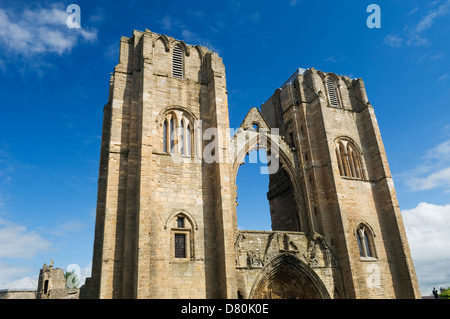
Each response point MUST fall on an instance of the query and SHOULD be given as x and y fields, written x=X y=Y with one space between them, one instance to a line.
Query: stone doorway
x=286 y=277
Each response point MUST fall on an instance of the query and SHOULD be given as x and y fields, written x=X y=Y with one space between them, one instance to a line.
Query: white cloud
x=393 y=40
x=86 y=272
x=427 y=21
x=427 y=228
x=442 y=78
x=17 y=242
x=40 y=31
x=169 y=23
x=191 y=37
x=10 y=273
x=415 y=35
x=440 y=178
x=433 y=171
x=413 y=11
x=68 y=227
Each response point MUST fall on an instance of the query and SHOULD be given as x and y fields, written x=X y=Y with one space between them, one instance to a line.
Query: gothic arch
x=264 y=139
x=199 y=51
x=350 y=158
x=287 y=277
x=182 y=45
x=184 y=213
x=365 y=236
x=187 y=232
x=165 y=40
x=161 y=116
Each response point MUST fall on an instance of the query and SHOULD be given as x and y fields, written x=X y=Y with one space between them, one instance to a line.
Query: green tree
x=72 y=279
x=445 y=294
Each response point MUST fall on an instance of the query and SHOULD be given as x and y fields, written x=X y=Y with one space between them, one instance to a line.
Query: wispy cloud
x=427 y=21
x=174 y=25
x=11 y=272
x=433 y=171
x=18 y=242
x=413 y=11
x=68 y=228
x=40 y=31
x=170 y=23
x=394 y=40
x=442 y=78
x=415 y=35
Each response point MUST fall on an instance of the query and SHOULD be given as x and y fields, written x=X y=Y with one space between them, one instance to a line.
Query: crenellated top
x=175 y=57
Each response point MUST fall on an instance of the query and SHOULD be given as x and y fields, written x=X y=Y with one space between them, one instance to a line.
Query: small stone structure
x=52 y=284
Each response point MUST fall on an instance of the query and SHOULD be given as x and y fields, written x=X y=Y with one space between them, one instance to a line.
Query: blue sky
x=54 y=84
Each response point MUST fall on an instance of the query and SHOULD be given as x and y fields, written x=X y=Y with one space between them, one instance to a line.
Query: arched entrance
x=288 y=208
x=286 y=277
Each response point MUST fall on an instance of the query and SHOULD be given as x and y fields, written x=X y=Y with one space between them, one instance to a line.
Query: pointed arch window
x=182 y=228
x=332 y=92
x=177 y=62
x=349 y=159
x=365 y=239
x=177 y=134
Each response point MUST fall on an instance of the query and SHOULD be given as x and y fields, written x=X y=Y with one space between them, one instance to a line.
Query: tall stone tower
x=163 y=214
x=166 y=223
x=347 y=193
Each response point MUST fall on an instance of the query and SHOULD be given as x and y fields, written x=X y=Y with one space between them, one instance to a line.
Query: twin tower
x=166 y=223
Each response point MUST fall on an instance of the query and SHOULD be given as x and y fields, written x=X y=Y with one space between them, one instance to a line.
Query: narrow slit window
x=361 y=251
x=172 y=136
x=177 y=62
x=46 y=287
x=180 y=222
x=188 y=140
x=332 y=94
x=165 y=136
x=182 y=137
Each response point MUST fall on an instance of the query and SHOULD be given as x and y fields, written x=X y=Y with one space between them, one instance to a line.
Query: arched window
x=332 y=93
x=177 y=62
x=349 y=159
x=177 y=134
x=182 y=230
x=365 y=241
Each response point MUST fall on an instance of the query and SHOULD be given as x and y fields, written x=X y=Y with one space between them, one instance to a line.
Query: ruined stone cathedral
x=166 y=224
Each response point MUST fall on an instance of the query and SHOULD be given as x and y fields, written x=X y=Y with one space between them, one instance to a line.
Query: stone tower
x=166 y=223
